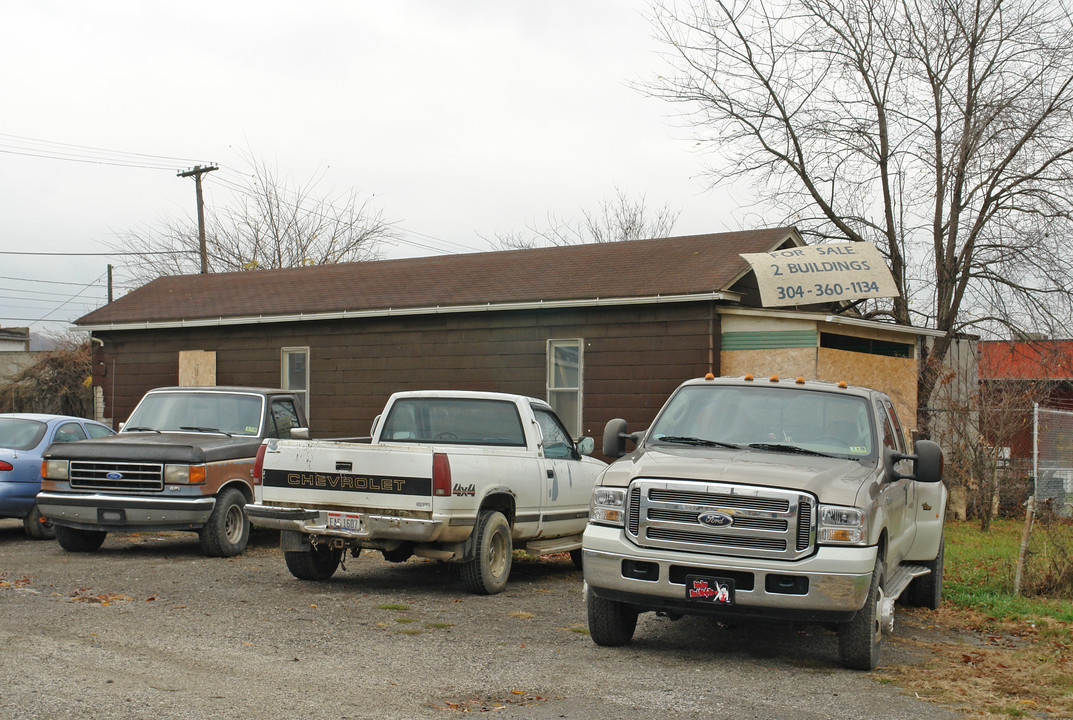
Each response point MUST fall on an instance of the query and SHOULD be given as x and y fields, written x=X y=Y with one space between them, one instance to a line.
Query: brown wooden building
x=601 y=331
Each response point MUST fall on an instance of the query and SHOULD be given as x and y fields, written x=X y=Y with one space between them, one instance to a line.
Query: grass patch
x=980 y=570
x=404 y=621
x=1013 y=655
x=393 y=606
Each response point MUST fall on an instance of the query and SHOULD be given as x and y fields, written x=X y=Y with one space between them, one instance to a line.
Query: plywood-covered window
x=295 y=374
x=565 y=370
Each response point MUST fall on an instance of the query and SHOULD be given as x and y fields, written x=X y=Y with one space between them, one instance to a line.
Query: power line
x=95 y=254
x=141 y=166
x=19 y=144
x=48 y=282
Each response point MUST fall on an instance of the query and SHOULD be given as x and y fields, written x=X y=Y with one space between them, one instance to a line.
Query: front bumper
x=99 y=511
x=830 y=585
x=373 y=527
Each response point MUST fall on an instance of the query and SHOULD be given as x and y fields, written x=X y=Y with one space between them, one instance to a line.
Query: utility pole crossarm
x=196 y=172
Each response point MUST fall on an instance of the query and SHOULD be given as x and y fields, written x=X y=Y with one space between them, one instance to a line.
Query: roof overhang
x=834 y=320
x=403 y=312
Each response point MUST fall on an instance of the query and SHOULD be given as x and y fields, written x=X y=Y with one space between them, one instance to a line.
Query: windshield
x=230 y=413
x=21 y=434
x=768 y=418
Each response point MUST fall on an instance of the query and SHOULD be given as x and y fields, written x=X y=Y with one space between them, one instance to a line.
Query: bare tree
x=269 y=223
x=937 y=129
x=58 y=382
x=618 y=218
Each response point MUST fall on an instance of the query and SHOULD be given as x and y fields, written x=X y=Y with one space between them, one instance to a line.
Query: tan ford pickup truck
x=766 y=498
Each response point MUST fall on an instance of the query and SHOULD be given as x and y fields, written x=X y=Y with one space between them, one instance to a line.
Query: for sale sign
x=821 y=273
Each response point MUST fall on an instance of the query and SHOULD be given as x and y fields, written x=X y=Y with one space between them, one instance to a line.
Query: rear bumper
x=830 y=585
x=373 y=526
x=17 y=498
x=98 y=511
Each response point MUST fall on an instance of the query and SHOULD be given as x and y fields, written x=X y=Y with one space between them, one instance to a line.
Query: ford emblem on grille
x=715 y=519
x=114 y=476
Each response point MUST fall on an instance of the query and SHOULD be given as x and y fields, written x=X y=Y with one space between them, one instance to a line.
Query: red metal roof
x=1026 y=360
x=637 y=268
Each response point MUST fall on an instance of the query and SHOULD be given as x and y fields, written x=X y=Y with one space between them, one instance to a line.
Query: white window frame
x=284 y=376
x=573 y=425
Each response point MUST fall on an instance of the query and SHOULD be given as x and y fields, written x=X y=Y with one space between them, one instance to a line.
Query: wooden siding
x=633 y=357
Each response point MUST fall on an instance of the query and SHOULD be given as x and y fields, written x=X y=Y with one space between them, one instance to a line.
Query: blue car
x=23 y=438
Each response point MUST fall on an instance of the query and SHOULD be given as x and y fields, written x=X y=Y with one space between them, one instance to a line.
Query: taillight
x=441 y=475
x=259 y=464
x=6 y=466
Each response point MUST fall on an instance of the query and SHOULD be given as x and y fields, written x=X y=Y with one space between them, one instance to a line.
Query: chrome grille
x=88 y=475
x=764 y=522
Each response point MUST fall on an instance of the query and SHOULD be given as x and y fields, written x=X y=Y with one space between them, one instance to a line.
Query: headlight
x=608 y=506
x=841 y=526
x=54 y=469
x=184 y=474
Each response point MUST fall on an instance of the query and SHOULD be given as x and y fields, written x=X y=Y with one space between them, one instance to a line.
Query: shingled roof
x=664 y=267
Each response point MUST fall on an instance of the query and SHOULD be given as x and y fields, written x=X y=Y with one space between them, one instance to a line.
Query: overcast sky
x=464 y=118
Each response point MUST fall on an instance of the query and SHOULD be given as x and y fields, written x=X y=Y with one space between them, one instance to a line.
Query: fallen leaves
x=83 y=595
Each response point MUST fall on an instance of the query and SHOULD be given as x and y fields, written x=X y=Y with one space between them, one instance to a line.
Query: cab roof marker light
x=842 y=385
x=709 y=376
x=800 y=380
x=748 y=378
x=774 y=378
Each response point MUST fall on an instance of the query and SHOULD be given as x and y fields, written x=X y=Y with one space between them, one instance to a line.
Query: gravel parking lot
x=148 y=628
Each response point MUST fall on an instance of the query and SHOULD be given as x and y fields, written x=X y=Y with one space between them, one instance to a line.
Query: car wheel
x=37 y=526
x=320 y=563
x=859 y=639
x=487 y=572
x=227 y=530
x=611 y=623
x=927 y=590
x=75 y=540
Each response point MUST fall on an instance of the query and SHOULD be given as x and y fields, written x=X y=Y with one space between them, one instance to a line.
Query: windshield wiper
x=778 y=447
x=196 y=428
x=141 y=429
x=700 y=442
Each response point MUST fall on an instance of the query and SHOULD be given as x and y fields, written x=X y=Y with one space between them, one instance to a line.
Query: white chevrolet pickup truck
x=461 y=477
x=787 y=499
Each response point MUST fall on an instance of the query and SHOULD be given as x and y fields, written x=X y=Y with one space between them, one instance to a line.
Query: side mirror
x=586 y=445
x=615 y=437
x=927 y=462
x=299 y=433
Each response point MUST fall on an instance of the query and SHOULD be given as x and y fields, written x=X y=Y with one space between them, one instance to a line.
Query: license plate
x=344 y=521
x=704 y=589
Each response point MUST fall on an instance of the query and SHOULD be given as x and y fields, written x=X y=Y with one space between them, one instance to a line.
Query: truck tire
x=37 y=527
x=318 y=564
x=487 y=572
x=75 y=540
x=575 y=557
x=611 y=623
x=859 y=639
x=227 y=530
x=927 y=590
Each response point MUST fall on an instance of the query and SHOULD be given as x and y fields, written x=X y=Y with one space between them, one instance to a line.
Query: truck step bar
x=899 y=580
x=553 y=545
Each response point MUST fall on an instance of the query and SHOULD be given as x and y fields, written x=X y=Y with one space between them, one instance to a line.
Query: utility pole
x=109 y=282
x=197 y=171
